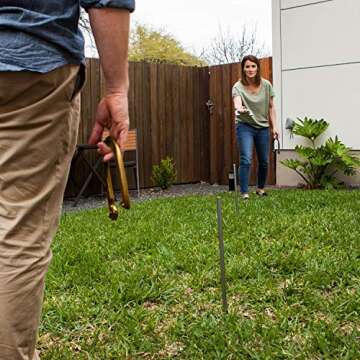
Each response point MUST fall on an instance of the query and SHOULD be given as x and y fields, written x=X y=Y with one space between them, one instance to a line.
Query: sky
x=195 y=22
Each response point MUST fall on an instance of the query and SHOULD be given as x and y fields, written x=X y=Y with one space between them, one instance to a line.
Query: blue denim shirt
x=41 y=35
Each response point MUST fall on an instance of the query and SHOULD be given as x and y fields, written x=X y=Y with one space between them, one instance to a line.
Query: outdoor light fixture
x=289 y=124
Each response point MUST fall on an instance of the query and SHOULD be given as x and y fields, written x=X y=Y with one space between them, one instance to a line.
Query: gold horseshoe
x=125 y=200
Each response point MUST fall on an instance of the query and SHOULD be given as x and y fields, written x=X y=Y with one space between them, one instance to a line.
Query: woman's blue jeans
x=248 y=136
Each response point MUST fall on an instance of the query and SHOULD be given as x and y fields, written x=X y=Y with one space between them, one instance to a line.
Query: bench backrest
x=131 y=143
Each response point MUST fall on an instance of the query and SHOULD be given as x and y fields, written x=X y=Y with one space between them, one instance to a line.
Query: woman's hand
x=275 y=133
x=112 y=113
x=241 y=110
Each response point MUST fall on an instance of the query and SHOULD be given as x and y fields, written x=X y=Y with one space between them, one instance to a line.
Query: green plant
x=322 y=162
x=164 y=174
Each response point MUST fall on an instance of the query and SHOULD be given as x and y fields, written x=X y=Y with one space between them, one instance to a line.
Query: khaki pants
x=39 y=118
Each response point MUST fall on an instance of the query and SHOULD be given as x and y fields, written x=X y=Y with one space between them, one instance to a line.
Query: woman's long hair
x=255 y=60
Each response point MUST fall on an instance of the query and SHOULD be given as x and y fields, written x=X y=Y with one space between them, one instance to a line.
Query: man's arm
x=111 y=31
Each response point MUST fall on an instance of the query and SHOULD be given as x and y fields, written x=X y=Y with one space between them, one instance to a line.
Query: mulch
x=97 y=201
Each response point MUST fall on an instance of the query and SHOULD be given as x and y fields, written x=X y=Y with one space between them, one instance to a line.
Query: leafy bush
x=321 y=162
x=164 y=174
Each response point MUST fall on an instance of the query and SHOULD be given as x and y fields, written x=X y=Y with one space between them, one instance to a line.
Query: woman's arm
x=239 y=105
x=272 y=119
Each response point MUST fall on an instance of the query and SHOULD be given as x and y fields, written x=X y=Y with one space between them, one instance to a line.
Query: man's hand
x=112 y=113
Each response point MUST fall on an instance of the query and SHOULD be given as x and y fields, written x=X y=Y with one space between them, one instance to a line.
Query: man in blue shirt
x=41 y=74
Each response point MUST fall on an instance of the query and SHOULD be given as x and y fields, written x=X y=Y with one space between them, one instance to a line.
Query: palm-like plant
x=320 y=163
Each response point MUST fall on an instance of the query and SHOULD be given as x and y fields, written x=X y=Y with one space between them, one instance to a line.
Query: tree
x=228 y=48
x=150 y=45
x=157 y=46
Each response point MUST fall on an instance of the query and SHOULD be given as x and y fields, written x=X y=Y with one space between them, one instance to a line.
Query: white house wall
x=321 y=34
x=316 y=66
x=325 y=92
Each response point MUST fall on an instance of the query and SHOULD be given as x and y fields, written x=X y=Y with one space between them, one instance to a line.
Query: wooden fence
x=167 y=104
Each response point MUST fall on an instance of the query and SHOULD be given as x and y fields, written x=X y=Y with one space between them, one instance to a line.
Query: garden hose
x=125 y=200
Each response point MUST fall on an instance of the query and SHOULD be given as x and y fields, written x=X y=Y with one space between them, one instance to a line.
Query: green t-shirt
x=258 y=104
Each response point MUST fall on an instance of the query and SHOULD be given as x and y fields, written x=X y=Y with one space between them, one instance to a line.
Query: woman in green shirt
x=254 y=118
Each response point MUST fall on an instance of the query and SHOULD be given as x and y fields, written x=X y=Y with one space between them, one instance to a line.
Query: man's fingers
x=112 y=113
x=105 y=151
x=120 y=133
x=103 y=148
x=96 y=133
x=108 y=157
x=101 y=119
x=123 y=138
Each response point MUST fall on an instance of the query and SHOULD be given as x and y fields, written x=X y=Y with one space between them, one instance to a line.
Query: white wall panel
x=316 y=69
x=320 y=34
x=285 y=4
x=332 y=93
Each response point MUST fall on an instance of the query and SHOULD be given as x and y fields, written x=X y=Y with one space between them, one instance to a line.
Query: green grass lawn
x=147 y=286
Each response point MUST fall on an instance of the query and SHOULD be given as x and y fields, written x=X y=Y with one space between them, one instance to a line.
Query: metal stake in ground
x=222 y=256
x=235 y=189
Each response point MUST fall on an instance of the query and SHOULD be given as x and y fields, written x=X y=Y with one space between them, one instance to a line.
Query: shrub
x=164 y=174
x=322 y=162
